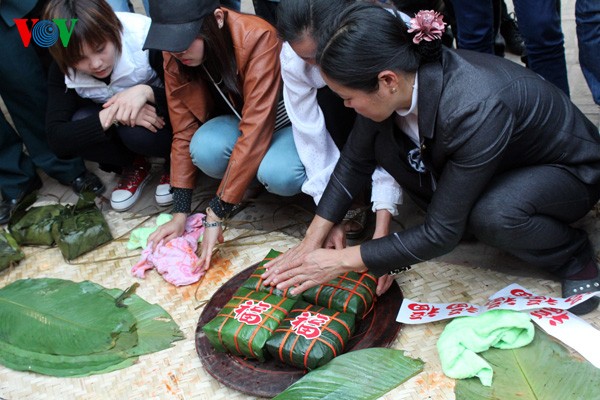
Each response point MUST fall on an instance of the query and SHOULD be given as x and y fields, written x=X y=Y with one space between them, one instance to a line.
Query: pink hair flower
x=428 y=25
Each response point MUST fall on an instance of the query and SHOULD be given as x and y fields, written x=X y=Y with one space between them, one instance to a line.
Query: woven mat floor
x=471 y=273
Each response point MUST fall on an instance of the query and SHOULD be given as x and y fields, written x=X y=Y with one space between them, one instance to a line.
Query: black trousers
x=526 y=211
x=124 y=144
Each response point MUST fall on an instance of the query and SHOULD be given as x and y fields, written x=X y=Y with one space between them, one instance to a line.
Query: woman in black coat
x=483 y=145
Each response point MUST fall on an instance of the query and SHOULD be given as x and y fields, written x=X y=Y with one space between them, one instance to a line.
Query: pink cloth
x=175 y=260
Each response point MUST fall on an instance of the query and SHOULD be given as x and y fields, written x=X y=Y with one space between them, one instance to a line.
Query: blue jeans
x=24 y=91
x=539 y=24
x=475 y=23
x=280 y=171
x=587 y=17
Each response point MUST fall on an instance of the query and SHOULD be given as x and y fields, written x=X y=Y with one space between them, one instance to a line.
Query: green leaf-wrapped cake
x=80 y=228
x=246 y=322
x=352 y=292
x=255 y=282
x=310 y=336
x=34 y=226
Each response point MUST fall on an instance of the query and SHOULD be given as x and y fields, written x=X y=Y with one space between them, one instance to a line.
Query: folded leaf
x=357 y=375
x=34 y=227
x=80 y=228
x=10 y=253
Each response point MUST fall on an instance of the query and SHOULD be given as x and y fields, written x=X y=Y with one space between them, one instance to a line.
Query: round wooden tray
x=267 y=379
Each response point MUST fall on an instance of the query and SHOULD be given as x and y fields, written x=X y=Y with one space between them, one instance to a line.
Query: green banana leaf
x=357 y=375
x=10 y=252
x=544 y=369
x=71 y=319
x=151 y=326
x=80 y=228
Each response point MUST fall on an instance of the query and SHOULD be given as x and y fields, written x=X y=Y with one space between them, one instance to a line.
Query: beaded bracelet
x=207 y=224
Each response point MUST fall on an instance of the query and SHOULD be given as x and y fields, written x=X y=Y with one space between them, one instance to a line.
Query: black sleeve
x=155 y=58
x=352 y=172
x=65 y=136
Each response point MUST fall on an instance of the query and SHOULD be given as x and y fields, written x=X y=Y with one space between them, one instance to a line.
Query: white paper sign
x=549 y=313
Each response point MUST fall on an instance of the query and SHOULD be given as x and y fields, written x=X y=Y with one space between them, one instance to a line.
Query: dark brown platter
x=267 y=379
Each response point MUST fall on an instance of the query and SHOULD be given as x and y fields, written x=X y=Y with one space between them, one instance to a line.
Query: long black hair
x=296 y=18
x=219 y=57
x=363 y=41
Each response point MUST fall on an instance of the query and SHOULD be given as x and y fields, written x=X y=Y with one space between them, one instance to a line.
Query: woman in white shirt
x=320 y=122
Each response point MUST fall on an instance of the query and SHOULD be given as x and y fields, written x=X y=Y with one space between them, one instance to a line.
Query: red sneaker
x=130 y=187
x=163 y=194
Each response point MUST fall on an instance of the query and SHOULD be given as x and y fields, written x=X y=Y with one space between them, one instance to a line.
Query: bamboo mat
x=176 y=373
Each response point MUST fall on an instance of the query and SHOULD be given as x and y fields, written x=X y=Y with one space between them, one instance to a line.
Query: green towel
x=465 y=336
x=139 y=236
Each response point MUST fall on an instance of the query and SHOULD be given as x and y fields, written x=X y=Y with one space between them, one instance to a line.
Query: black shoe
x=499 y=45
x=575 y=287
x=6 y=209
x=88 y=182
x=510 y=32
x=7 y=206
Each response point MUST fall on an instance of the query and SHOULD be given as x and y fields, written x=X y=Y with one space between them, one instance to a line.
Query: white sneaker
x=163 y=194
x=129 y=188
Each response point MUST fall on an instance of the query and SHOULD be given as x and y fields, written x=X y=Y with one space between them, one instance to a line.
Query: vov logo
x=45 y=33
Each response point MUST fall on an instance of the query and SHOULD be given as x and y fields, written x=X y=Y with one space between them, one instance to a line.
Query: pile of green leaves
x=76 y=229
x=63 y=328
x=33 y=225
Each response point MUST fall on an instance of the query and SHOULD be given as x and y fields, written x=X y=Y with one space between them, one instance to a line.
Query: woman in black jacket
x=483 y=145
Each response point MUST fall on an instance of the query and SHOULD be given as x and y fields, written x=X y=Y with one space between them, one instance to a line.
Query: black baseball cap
x=176 y=23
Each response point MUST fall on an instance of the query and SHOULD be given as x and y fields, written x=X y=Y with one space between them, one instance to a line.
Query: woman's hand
x=106 y=119
x=317 y=267
x=148 y=118
x=212 y=235
x=171 y=230
x=336 y=239
x=384 y=283
x=382 y=228
x=126 y=105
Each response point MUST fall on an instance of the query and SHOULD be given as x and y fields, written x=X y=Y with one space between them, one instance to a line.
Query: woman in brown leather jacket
x=222 y=78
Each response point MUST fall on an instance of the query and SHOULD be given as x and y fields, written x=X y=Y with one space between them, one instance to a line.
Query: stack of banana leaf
x=62 y=328
x=74 y=229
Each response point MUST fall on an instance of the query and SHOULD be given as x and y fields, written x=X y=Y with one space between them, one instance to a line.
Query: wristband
x=215 y=224
x=221 y=208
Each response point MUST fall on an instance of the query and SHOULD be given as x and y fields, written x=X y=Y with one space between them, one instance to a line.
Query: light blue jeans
x=587 y=17
x=280 y=171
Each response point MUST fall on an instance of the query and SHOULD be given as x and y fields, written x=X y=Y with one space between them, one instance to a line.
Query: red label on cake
x=249 y=312
x=309 y=325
